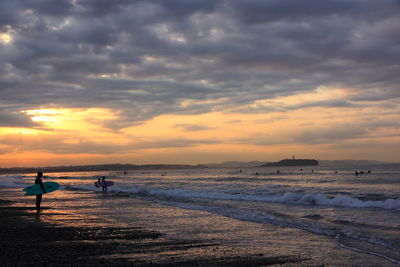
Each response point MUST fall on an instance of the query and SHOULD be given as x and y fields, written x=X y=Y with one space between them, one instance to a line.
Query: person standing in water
x=104 y=184
x=39 y=181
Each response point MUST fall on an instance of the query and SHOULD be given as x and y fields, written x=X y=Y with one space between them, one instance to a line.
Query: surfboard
x=36 y=189
x=106 y=183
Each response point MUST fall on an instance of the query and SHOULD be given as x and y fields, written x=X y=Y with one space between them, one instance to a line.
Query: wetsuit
x=39 y=197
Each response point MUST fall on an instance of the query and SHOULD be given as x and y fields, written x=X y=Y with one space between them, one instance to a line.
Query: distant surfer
x=104 y=185
x=39 y=181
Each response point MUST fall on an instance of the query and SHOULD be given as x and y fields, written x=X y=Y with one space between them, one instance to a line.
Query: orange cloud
x=82 y=136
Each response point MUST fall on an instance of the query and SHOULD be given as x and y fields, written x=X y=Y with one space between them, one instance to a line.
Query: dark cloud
x=101 y=7
x=144 y=58
x=259 y=11
x=59 y=145
x=290 y=107
x=66 y=144
x=171 y=143
x=193 y=127
x=325 y=103
x=339 y=135
x=13 y=119
x=309 y=136
x=48 y=7
x=330 y=134
x=8 y=13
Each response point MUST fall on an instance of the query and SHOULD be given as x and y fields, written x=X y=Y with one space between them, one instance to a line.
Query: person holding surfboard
x=104 y=184
x=39 y=181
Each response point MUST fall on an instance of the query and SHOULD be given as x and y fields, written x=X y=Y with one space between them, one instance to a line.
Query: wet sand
x=26 y=240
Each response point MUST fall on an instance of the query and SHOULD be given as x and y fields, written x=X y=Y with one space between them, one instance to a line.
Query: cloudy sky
x=198 y=81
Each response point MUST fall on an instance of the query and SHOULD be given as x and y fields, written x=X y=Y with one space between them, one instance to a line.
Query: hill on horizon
x=227 y=164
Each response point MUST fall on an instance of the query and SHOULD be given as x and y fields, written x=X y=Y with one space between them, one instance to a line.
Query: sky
x=198 y=81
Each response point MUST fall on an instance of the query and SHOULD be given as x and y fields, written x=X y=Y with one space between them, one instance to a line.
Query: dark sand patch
x=27 y=241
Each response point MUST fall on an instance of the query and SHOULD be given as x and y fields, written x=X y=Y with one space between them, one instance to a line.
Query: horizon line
x=183 y=164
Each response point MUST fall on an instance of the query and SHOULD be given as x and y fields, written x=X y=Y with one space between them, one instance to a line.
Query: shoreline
x=28 y=241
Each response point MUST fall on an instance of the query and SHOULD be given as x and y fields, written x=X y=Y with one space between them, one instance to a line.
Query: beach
x=28 y=241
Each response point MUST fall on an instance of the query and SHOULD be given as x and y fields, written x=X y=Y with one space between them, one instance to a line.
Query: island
x=292 y=162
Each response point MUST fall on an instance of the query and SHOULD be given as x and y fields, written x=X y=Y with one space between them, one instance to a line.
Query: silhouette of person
x=97 y=184
x=104 y=184
x=39 y=181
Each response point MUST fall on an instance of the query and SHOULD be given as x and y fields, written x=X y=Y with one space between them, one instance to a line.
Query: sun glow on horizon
x=73 y=136
x=43 y=115
x=72 y=118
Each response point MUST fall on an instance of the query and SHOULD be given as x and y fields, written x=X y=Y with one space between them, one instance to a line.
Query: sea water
x=327 y=212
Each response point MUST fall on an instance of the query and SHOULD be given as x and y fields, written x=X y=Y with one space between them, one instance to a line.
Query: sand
x=25 y=240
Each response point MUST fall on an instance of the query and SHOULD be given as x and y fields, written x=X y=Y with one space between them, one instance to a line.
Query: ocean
x=326 y=213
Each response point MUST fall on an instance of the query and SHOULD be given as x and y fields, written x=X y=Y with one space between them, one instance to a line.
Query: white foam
x=288 y=198
x=178 y=194
x=13 y=181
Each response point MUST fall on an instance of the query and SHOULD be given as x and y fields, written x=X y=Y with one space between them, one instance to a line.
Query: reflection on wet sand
x=68 y=244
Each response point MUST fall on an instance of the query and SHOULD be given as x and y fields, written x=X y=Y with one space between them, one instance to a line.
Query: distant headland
x=102 y=167
x=228 y=164
x=292 y=162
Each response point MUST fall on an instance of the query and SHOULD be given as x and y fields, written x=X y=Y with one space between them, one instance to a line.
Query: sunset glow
x=229 y=85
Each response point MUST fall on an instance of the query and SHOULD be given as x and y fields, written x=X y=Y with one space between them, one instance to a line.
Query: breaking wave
x=283 y=198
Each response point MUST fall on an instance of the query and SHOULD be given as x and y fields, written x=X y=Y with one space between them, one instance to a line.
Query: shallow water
x=333 y=218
